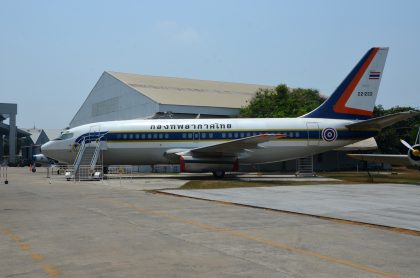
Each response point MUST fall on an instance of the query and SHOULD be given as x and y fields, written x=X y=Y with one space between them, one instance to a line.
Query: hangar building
x=123 y=96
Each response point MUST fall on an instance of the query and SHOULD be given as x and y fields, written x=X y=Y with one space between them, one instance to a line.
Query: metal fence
x=3 y=173
x=83 y=173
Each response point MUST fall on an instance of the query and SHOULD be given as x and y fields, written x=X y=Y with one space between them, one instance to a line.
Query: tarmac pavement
x=54 y=228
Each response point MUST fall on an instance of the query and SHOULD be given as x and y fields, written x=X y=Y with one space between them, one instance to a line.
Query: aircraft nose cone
x=45 y=148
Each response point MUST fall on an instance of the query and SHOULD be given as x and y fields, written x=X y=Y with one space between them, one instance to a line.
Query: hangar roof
x=182 y=91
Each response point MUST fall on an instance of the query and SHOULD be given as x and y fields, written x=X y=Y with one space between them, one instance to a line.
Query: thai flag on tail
x=374 y=75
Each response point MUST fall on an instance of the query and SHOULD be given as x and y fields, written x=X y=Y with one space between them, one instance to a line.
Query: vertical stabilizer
x=355 y=97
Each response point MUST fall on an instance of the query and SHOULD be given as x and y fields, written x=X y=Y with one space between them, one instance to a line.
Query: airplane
x=221 y=145
x=412 y=158
x=41 y=159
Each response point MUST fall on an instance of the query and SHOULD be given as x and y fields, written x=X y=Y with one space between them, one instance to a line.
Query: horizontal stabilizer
x=364 y=145
x=379 y=123
x=393 y=159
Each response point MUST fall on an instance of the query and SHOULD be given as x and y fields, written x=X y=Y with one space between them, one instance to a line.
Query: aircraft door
x=94 y=132
x=313 y=132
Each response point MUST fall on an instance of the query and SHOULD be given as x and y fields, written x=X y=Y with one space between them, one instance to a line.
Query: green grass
x=403 y=176
x=232 y=183
x=400 y=175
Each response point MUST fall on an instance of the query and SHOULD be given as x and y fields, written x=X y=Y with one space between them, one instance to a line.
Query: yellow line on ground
x=37 y=257
x=24 y=246
x=14 y=237
x=49 y=269
x=271 y=243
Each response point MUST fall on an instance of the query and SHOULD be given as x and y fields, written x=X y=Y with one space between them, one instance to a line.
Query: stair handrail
x=79 y=156
x=95 y=155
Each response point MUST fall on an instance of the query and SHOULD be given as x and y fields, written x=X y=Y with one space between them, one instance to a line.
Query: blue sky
x=53 y=52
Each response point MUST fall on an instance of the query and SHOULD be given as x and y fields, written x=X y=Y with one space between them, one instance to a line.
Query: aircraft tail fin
x=355 y=97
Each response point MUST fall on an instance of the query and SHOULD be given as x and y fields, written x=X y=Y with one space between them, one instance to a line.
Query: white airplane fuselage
x=146 y=142
x=219 y=145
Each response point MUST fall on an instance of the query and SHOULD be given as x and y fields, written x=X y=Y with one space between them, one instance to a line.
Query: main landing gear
x=219 y=174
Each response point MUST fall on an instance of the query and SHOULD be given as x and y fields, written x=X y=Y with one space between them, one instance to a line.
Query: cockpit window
x=65 y=136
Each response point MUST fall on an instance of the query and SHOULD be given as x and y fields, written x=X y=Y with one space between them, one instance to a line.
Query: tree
x=281 y=102
x=388 y=139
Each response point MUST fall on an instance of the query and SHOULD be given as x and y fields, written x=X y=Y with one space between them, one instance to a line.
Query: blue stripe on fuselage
x=145 y=136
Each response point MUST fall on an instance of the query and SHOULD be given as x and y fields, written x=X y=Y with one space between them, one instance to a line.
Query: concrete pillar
x=11 y=110
x=1 y=147
x=12 y=138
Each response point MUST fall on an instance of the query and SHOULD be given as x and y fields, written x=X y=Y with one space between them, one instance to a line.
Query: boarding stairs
x=305 y=166
x=85 y=164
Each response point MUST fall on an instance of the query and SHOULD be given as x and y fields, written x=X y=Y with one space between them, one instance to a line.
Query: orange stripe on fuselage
x=340 y=106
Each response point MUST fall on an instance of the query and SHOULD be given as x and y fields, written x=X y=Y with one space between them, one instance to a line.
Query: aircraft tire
x=33 y=170
x=219 y=174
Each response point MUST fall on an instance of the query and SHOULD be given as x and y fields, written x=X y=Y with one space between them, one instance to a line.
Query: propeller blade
x=406 y=144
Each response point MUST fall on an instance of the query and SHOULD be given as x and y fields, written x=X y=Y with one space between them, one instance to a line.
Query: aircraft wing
x=393 y=159
x=384 y=121
x=232 y=148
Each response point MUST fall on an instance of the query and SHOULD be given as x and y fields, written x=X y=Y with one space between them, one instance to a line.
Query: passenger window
x=291 y=134
x=242 y=135
x=125 y=136
x=143 y=136
x=203 y=135
x=137 y=136
x=155 y=136
x=184 y=136
x=131 y=136
x=248 y=134
x=297 y=134
x=166 y=136
x=149 y=136
x=235 y=135
x=190 y=135
x=229 y=135
x=223 y=135
x=160 y=136
x=119 y=136
x=210 y=135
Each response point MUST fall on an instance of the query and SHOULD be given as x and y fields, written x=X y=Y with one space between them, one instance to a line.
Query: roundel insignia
x=329 y=134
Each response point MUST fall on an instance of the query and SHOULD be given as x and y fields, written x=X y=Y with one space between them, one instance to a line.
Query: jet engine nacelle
x=192 y=164
x=40 y=158
x=413 y=157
